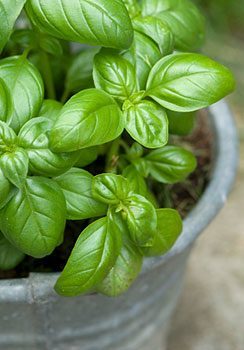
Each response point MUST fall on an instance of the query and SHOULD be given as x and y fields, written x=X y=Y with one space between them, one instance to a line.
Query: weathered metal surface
x=33 y=317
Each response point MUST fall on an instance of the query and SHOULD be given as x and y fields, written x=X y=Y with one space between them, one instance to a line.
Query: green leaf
x=147 y=123
x=34 y=219
x=15 y=166
x=188 y=82
x=110 y=188
x=76 y=185
x=142 y=54
x=93 y=256
x=9 y=12
x=132 y=7
x=79 y=75
x=50 y=109
x=156 y=30
x=6 y=190
x=7 y=138
x=181 y=123
x=183 y=18
x=34 y=138
x=26 y=86
x=168 y=230
x=50 y=45
x=6 y=103
x=114 y=74
x=170 y=164
x=100 y=22
x=10 y=257
x=89 y=118
x=127 y=267
x=87 y=156
x=141 y=219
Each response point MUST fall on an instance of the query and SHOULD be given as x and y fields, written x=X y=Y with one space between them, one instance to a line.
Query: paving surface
x=210 y=315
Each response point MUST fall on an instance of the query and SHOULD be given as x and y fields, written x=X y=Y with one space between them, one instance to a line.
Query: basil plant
x=97 y=85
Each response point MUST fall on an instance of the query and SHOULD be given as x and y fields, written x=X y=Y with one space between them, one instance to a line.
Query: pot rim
x=210 y=203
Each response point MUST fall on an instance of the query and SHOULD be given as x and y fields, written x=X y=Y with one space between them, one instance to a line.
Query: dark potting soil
x=182 y=196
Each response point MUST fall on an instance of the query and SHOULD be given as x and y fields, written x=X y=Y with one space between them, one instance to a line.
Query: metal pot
x=33 y=317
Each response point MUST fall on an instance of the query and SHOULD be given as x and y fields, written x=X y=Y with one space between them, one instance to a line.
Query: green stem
x=112 y=156
x=48 y=76
x=65 y=95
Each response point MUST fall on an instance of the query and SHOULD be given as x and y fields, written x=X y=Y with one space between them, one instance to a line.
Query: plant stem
x=65 y=95
x=48 y=76
x=112 y=156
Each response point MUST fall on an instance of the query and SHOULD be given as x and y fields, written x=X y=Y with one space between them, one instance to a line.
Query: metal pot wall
x=33 y=317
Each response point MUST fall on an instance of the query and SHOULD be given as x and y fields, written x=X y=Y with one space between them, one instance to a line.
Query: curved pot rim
x=212 y=200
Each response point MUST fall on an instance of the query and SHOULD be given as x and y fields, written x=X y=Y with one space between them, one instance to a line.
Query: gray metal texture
x=33 y=317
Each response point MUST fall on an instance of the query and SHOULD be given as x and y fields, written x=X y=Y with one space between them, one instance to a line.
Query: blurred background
x=210 y=313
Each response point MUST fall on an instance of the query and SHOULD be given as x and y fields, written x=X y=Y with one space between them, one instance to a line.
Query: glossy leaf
x=34 y=138
x=50 y=109
x=142 y=54
x=132 y=7
x=89 y=118
x=114 y=74
x=188 y=82
x=93 y=256
x=141 y=219
x=79 y=75
x=39 y=211
x=181 y=123
x=110 y=188
x=9 y=12
x=168 y=230
x=87 y=156
x=170 y=164
x=76 y=185
x=6 y=189
x=15 y=166
x=147 y=123
x=99 y=22
x=183 y=18
x=127 y=267
x=157 y=30
x=6 y=103
x=26 y=86
x=10 y=257
x=7 y=138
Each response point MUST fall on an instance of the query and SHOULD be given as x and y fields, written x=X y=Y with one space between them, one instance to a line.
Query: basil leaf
x=170 y=164
x=99 y=22
x=50 y=45
x=141 y=219
x=181 y=123
x=147 y=123
x=9 y=12
x=156 y=30
x=6 y=190
x=15 y=166
x=50 y=109
x=183 y=18
x=114 y=74
x=187 y=82
x=34 y=137
x=6 y=104
x=93 y=256
x=76 y=185
x=142 y=54
x=26 y=86
x=127 y=267
x=92 y=111
x=7 y=138
x=39 y=209
x=10 y=257
x=168 y=230
x=110 y=188
x=87 y=156
x=79 y=75
x=132 y=7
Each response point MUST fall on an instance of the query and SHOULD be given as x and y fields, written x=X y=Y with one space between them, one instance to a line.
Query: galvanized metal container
x=33 y=317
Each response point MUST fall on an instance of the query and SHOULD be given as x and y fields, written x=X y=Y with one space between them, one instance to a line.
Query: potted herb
x=109 y=108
